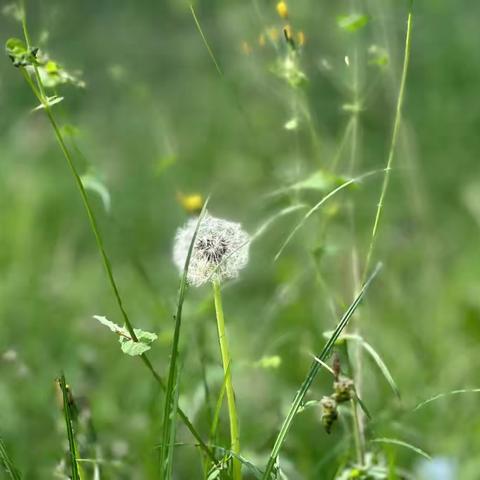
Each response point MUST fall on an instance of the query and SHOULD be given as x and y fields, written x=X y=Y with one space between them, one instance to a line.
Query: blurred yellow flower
x=246 y=48
x=191 y=203
x=261 y=40
x=301 y=38
x=273 y=33
x=282 y=9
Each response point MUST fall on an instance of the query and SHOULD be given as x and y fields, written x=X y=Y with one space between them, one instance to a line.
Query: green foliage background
x=156 y=119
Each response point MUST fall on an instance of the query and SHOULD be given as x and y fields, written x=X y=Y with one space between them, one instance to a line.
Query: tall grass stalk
x=226 y=360
x=393 y=143
x=172 y=389
x=39 y=91
x=312 y=373
x=68 y=422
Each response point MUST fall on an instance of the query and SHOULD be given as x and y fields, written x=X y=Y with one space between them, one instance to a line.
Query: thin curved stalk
x=226 y=360
x=39 y=92
x=314 y=368
x=393 y=143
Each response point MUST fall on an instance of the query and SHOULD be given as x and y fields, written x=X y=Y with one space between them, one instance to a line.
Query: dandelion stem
x=393 y=144
x=226 y=360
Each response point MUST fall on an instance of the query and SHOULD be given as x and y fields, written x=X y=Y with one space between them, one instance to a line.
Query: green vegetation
x=142 y=336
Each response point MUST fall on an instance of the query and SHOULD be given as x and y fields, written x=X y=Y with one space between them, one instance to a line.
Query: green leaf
x=378 y=56
x=110 y=325
x=382 y=366
x=273 y=361
x=319 y=180
x=401 y=443
x=129 y=346
x=50 y=102
x=93 y=183
x=145 y=340
x=20 y=54
x=352 y=22
x=373 y=353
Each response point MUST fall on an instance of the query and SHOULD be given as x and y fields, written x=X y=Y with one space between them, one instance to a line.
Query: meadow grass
x=302 y=168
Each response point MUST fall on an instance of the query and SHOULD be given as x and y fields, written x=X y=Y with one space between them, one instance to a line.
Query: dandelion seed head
x=220 y=250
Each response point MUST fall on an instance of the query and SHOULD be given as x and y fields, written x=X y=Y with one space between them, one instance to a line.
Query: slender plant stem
x=226 y=360
x=172 y=390
x=312 y=373
x=356 y=433
x=39 y=92
x=393 y=144
x=205 y=41
x=357 y=417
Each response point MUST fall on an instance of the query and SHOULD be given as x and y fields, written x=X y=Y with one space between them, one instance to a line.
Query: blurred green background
x=155 y=121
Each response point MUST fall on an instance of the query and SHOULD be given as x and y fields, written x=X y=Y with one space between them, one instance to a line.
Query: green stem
x=357 y=434
x=226 y=360
x=41 y=96
x=396 y=128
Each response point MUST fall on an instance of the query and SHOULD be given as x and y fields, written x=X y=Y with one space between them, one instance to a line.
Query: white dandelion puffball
x=220 y=250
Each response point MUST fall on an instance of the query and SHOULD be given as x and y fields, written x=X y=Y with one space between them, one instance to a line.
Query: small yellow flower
x=261 y=40
x=191 y=203
x=246 y=48
x=301 y=38
x=273 y=33
x=282 y=9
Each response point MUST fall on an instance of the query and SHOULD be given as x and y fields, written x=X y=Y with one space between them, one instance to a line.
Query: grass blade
x=299 y=397
x=319 y=204
x=393 y=143
x=205 y=42
x=401 y=443
x=68 y=422
x=8 y=463
x=218 y=408
x=171 y=392
x=377 y=359
x=382 y=366
x=442 y=395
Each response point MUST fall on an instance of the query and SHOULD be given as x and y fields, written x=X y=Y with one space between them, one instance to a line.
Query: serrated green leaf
x=352 y=22
x=129 y=346
x=110 y=325
x=145 y=339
